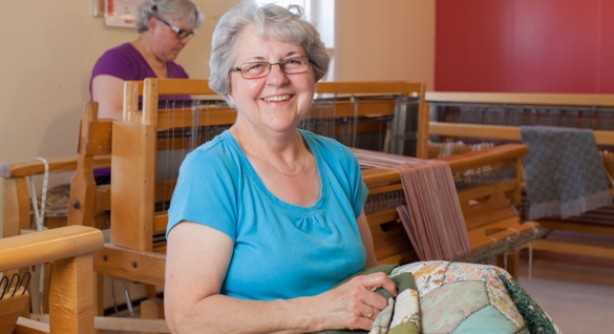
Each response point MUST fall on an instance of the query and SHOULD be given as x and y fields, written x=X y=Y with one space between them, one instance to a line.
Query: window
x=322 y=14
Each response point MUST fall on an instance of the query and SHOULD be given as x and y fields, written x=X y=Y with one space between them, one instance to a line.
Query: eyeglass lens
x=181 y=33
x=255 y=70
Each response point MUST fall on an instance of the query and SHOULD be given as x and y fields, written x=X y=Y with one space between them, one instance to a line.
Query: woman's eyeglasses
x=181 y=33
x=261 y=69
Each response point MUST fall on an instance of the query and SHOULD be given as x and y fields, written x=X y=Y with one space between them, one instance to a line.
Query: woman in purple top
x=165 y=27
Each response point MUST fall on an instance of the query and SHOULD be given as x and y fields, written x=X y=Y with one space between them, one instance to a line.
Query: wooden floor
x=576 y=291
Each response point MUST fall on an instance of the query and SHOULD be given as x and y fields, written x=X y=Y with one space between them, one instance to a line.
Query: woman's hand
x=354 y=304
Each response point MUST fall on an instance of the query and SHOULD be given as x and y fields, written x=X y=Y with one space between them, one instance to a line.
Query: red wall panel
x=524 y=46
x=605 y=80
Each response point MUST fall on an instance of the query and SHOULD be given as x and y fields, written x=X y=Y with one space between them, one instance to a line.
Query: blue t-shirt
x=280 y=250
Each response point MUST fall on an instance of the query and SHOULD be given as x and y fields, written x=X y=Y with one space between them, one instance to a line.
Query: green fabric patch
x=488 y=320
x=537 y=320
x=403 y=281
x=443 y=309
x=406 y=328
x=458 y=306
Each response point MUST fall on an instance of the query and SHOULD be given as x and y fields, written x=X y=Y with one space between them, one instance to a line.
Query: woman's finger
x=379 y=280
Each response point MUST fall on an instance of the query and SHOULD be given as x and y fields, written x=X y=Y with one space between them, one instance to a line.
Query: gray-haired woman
x=267 y=219
x=165 y=27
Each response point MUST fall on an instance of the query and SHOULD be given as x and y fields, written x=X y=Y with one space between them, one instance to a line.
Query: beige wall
x=386 y=40
x=49 y=48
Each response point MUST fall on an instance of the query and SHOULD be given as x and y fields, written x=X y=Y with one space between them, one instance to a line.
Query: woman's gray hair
x=272 y=21
x=170 y=10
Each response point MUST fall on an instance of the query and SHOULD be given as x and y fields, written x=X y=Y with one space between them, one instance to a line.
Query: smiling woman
x=274 y=218
x=263 y=190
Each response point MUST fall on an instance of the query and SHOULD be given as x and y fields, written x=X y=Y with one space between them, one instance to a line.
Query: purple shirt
x=126 y=62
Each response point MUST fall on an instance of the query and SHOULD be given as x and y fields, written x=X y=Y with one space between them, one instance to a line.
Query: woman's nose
x=277 y=75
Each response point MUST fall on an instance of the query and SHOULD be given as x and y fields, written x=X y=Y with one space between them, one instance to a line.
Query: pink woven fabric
x=432 y=218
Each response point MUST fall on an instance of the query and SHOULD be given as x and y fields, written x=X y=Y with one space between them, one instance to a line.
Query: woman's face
x=278 y=101
x=166 y=45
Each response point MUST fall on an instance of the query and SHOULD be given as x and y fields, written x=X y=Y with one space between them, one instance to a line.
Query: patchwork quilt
x=453 y=297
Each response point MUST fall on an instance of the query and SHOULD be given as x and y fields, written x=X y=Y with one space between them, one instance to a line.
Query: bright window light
x=322 y=14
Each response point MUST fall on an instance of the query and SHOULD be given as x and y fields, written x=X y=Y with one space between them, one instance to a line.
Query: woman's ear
x=230 y=101
x=151 y=23
x=228 y=96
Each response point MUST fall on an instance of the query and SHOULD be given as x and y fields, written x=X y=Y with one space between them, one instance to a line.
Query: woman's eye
x=255 y=67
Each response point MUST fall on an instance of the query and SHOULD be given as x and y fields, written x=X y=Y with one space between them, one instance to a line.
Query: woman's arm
x=108 y=91
x=197 y=260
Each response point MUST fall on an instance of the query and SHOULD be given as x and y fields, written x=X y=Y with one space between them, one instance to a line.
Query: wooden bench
x=71 y=297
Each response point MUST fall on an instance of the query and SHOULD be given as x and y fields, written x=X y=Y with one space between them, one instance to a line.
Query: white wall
x=49 y=47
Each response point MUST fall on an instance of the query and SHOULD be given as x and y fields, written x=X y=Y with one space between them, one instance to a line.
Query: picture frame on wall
x=121 y=13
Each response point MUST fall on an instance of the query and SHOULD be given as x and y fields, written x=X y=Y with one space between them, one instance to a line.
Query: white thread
x=128 y=300
x=39 y=213
x=39 y=219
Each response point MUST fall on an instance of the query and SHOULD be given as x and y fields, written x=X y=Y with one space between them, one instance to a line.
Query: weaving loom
x=135 y=251
x=370 y=110
x=137 y=215
x=488 y=185
x=498 y=118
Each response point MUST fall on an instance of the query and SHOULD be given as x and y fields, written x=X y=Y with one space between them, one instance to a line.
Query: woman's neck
x=143 y=45
x=278 y=157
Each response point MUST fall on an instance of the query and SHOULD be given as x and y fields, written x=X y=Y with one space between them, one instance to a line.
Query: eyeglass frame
x=281 y=63
x=178 y=31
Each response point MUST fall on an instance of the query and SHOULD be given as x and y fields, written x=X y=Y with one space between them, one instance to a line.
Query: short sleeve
x=360 y=190
x=205 y=193
x=117 y=64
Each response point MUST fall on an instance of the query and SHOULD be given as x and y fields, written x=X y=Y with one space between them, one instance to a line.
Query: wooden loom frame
x=490 y=210
x=140 y=262
x=131 y=254
x=512 y=133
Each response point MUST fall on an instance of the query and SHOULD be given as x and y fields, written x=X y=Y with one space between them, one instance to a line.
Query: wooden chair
x=18 y=212
x=71 y=301
x=94 y=144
